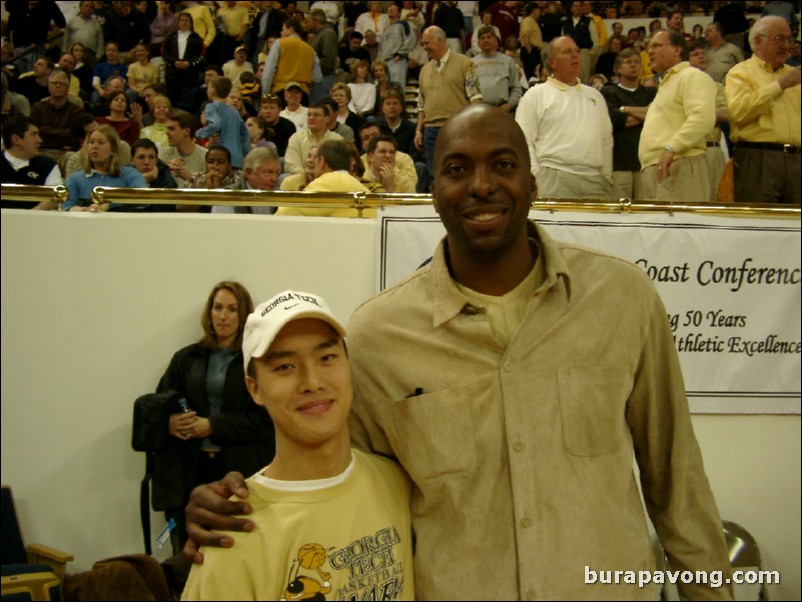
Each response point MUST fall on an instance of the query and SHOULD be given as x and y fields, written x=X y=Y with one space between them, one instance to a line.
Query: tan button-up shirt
x=522 y=455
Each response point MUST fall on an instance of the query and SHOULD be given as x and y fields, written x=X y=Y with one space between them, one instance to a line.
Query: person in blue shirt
x=111 y=65
x=224 y=121
x=102 y=167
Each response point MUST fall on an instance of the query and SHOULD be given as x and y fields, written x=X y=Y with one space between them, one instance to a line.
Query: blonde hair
x=113 y=138
x=163 y=100
x=340 y=86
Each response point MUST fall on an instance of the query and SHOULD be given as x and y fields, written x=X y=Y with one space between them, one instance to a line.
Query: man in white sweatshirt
x=567 y=128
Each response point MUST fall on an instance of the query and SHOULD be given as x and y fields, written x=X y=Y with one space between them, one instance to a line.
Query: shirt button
x=526 y=522
x=518 y=446
x=508 y=366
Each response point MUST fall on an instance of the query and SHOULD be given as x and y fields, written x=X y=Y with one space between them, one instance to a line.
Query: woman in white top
x=363 y=93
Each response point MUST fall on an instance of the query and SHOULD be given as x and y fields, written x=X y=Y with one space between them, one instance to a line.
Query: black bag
x=151 y=430
x=150 y=434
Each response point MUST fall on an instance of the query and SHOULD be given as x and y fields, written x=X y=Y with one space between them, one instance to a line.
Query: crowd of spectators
x=193 y=76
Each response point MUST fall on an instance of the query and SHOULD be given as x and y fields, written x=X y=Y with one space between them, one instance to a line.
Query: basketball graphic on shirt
x=312 y=555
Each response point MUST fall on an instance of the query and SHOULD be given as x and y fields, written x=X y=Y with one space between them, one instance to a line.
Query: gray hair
x=259 y=155
x=437 y=32
x=61 y=72
x=319 y=15
x=761 y=26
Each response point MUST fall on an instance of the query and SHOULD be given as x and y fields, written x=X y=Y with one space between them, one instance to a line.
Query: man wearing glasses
x=627 y=103
x=672 y=149
x=54 y=115
x=763 y=98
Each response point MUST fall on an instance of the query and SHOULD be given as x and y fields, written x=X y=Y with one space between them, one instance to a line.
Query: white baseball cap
x=270 y=317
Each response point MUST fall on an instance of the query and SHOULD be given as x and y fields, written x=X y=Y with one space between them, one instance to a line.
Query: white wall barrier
x=94 y=305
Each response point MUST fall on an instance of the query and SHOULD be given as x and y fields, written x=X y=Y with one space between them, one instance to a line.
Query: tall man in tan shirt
x=763 y=95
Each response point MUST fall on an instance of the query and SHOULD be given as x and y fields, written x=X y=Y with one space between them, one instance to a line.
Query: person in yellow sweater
x=672 y=149
x=332 y=166
x=202 y=21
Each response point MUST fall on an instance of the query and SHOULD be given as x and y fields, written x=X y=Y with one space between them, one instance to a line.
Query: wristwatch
x=622 y=109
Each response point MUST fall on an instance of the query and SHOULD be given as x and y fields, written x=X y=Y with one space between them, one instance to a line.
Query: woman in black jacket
x=221 y=428
x=182 y=70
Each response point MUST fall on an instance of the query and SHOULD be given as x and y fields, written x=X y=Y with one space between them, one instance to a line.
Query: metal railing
x=361 y=201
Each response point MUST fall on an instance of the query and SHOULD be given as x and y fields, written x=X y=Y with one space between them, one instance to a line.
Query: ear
x=253 y=389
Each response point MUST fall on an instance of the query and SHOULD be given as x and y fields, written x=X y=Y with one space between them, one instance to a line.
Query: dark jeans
x=429 y=139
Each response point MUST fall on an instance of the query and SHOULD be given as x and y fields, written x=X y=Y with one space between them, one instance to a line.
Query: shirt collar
x=15 y=162
x=766 y=66
x=675 y=69
x=562 y=86
x=449 y=301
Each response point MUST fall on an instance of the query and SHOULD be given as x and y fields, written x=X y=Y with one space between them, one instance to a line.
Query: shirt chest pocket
x=436 y=434
x=592 y=408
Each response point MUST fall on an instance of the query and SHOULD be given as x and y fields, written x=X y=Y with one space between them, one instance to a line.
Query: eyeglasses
x=52 y=83
x=780 y=39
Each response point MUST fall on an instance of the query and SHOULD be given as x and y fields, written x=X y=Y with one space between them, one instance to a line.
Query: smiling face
x=292 y=96
x=482 y=186
x=304 y=382
x=434 y=45
x=141 y=53
x=161 y=110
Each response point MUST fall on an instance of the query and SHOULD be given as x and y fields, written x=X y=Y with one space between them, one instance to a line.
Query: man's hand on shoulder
x=209 y=508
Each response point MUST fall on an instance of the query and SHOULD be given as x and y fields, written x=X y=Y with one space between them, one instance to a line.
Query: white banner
x=731 y=286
